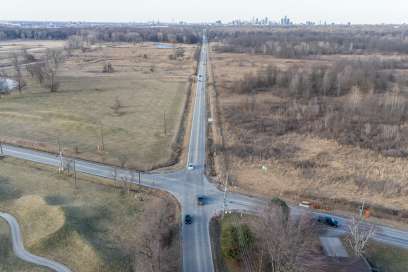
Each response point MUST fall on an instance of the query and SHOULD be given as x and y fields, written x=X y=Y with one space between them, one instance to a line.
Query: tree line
x=106 y=34
x=300 y=42
x=373 y=73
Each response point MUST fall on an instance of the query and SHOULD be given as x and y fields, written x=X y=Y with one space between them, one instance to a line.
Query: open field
x=387 y=259
x=91 y=227
x=136 y=111
x=36 y=48
x=298 y=164
x=9 y=262
x=384 y=258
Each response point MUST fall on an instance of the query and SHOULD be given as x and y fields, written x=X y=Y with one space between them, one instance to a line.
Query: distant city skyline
x=330 y=11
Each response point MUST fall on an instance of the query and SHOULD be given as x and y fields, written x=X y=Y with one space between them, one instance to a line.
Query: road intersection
x=186 y=185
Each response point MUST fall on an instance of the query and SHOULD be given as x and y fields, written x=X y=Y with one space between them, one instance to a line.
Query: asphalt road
x=20 y=251
x=186 y=185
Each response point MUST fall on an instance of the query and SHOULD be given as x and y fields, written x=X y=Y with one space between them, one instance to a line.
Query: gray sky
x=339 y=11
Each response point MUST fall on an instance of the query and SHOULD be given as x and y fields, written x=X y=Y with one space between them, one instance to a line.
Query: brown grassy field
x=332 y=181
x=9 y=262
x=150 y=88
x=37 y=48
x=386 y=258
x=94 y=227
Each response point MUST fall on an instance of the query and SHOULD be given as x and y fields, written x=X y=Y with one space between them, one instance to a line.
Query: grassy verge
x=387 y=259
x=9 y=262
x=93 y=227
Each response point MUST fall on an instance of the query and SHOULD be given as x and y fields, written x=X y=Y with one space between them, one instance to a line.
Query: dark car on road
x=328 y=220
x=201 y=201
x=188 y=219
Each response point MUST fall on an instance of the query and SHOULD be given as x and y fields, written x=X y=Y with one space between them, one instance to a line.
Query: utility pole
x=61 y=166
x=362 y=209
x=102 y=139
x=75 y=174
x=115 y=174
x=225 y=194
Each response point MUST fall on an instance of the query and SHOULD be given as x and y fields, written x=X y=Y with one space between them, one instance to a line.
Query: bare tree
x=117 y=105
x=28 y=57
x=156 y=239
x=18 y=77
x=286 y=239
x=108 y=68
x=52 y=61
x=123 y=160
x=36 y=70
x=74 y=42
x=360 y=234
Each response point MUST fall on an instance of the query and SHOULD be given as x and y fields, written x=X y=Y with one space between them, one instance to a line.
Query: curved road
x=187 y=185
x=20 y=251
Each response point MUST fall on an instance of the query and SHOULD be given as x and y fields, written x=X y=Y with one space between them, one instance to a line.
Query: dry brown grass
x=94 y=227
x=36 y=48
x=316 y=167
x=148 y=86
x=9 y=262
x=39 y=219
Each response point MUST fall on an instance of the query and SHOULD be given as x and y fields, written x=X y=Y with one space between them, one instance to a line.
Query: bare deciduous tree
x=52 y=61
x=156 y=240
x=36 y=71
x=287 y=240
x=28 y=57
x=18 y=77
x=108 y=68
x=117 y=105
x=360 y=234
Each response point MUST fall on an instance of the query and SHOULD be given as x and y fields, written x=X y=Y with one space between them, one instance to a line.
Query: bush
x=108 y=68
x=233 y=239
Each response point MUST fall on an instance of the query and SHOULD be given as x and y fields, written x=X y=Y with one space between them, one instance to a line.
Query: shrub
x=233 y=239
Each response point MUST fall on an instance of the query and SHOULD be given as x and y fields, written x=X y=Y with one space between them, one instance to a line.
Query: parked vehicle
x=328 y=220
x=305 y=204
x=201 y=201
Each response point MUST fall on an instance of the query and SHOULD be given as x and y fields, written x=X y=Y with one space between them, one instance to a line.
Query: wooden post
x=102 y=139
x=164 y=123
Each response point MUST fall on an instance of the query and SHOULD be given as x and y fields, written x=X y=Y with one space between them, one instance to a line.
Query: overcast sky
x=339 y=11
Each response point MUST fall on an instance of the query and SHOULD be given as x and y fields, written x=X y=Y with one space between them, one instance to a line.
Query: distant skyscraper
x=285 y=21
